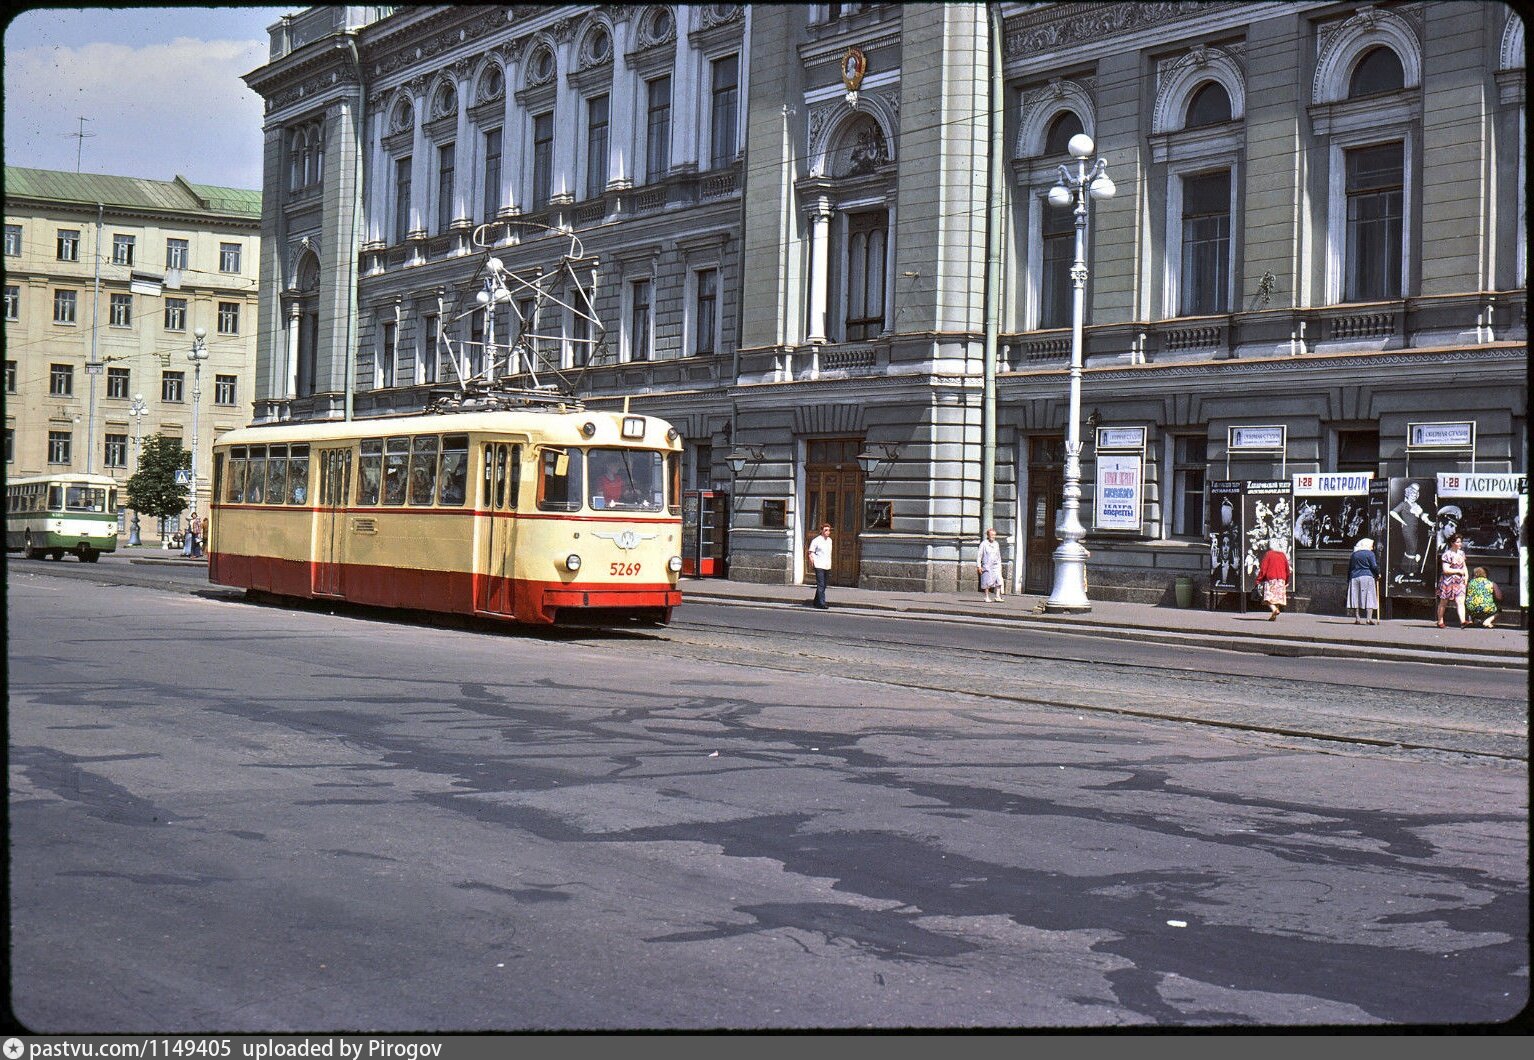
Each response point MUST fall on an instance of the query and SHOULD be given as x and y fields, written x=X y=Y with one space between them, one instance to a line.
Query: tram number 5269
x=622 y=570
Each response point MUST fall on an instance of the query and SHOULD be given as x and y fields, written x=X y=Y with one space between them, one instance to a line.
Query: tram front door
x=833 y=490
x=495 y=566
x=330 y=519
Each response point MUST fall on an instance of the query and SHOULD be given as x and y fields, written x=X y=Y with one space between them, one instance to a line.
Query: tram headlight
x=572 y=562
x=588 y=428
x=674 y=564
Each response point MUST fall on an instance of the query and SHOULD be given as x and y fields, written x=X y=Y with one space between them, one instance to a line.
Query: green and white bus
x=49 y=515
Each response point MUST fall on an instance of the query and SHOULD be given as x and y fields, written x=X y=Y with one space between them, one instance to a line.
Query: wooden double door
x=1046 y=482
x=833 y=493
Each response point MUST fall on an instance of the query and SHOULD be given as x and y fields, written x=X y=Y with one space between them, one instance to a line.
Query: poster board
x=1267 y=514
x=1224 y=509
x=1119 y=491
x=1411 y=544
x=1484 y=510
x=1331 y=511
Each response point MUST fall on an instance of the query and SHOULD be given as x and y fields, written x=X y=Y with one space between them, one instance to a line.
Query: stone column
x=568 y=128
x=295 y=323
x=820 y=268
x=420 y=170
x=463 y=146
x=687 y=109
x=626 y=96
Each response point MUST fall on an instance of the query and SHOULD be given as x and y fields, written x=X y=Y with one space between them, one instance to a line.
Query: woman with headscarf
x=1273 y=578
x=1363 y=574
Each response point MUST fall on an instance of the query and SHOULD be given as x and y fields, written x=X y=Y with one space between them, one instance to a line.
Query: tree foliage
x=152 y=490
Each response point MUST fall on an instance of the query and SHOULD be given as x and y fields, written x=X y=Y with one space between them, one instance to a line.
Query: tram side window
x=237 y=457
x=559 y=484
x=454 y=479
x=277 y=474
x=674 y=482
x=55 y=499
x=423 y=468
x=255 y=477
x=370 y=471
x=298 y=474
x=396 y=463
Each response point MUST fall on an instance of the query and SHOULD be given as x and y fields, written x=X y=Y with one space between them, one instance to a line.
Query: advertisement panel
x=1411 y=547
x=1331 y=511
x=1120 y=488
x=1267 y=515
x=1483 y=509
x=1225 y=535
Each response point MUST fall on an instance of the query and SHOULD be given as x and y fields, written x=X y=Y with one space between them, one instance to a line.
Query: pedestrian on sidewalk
x=1482 y=597
x=197 y=530
x=1273 y=578
x=1452 y=579
x=988 y=564
x=820 y=559
x=1363 y=579
x=189 y=536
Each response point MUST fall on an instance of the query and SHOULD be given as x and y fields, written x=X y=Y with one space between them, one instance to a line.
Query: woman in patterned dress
x=1482 y=597
x=1452 y=580
x=1273 y=578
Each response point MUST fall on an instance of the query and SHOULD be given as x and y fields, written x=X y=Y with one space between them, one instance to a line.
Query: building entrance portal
x=833 y=493
x=1046 y=475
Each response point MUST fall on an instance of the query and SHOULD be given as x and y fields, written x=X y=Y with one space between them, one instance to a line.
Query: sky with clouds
x=161 y=89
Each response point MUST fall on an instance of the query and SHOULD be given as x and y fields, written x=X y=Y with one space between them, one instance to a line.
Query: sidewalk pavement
x=1414 y=638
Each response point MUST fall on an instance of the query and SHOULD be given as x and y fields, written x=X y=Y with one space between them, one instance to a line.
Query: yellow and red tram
x=529 y=515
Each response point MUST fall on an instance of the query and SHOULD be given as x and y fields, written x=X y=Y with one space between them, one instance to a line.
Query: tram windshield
x=627 y=479
x=85 y=499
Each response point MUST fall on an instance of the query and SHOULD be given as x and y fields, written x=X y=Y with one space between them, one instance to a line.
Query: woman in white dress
x=988 y=564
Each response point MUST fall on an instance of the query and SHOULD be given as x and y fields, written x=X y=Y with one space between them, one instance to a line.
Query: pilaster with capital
x=567 y=115
x=420 y=171
x=463 y=144
x=627 y=97
x=820 y=267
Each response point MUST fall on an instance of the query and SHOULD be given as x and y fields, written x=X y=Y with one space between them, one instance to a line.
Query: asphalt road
x=263 y=818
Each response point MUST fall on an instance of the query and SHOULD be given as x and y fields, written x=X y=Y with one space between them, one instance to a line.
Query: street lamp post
x=1079 y=180
x=197 y=354
x=137 y=411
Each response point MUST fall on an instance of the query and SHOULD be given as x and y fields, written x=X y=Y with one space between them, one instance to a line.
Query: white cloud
x=156 y=110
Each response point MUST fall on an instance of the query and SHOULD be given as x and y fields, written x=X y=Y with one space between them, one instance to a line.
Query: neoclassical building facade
x=781 y=228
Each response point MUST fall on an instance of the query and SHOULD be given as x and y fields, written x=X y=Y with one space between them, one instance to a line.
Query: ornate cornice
x=1328 y=362
x=1082 y=23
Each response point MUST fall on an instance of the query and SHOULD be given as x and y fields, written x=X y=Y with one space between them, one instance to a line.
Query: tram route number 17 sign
x=1120 y=489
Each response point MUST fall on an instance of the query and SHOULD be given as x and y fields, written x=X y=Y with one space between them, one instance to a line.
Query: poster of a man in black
x=1413 y=543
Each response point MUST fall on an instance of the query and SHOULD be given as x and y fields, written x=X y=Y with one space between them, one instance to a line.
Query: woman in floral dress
x=1452 y=578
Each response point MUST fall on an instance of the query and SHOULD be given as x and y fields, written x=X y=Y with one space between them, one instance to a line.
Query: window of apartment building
x=1358 y=450
x=64 y=303
x=1376 y=185
x=122 y=249
x=428 y=358
x=445 y=167
x=387 y=353
x=119 y=381
x=543 y=159
x=1378 y=70
x=1057 y=140
x=492 y=174
x=1205 y=243
x=68 y=248
x=580 y=340
x=705 y=310
x=402 y=178
x=639 y=320
x=116 y=450
x=175 y=314
x=836 y=11
x=726 y=84
x=1209 y=105
x=172 y=386
x=177 y=253
x=10 y=445
x=12 y=302
x=228 y=318
x=59 y=446
x=1190 y=454
x=475 y=351
x=657 y=153
x=10 y=377
x=61 y=380
x=228 y=257
x=13 y=241
x=867 y=244
x=596 y=146
x=224 y=388
x=1058 y=230
x=121 y=311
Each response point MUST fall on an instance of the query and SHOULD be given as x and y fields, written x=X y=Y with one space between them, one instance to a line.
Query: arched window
x=1210 y=105
x=1060 y=132
x=1379 y=70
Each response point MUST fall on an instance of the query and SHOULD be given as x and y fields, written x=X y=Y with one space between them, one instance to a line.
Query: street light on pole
x=1079 y=180
x=137 y=411
x=197 y=354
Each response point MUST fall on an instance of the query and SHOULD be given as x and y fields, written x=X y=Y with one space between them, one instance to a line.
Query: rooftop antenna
x=82 y=136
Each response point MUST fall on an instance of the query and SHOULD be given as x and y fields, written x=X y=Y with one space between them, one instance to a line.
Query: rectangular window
x=704 y=305
x=224 y=387
x=395 y=465
x=369 y=471
x=12 y=302
x=228 y=318
x=61 y=380
x=562 y=473
x=175 y=314
x=1058 y=229
x=492 y=174
x=639 y=321
x=580 y=341
x=228 y=257
x=1189 y=460
x=121 y=313
x=401 y=198
x=386 y=352
x=172 y=385
x=1376 y=184
x=543 y=159
x=119 y=382
x=423 y=469
x=10 y=445
x=276 y=475
x=177 y=253
x=69 y=244
x=657 y=153
x=13 y=241
x=453 y=481
x=596 y=146
x=726 y=82
x=429 y=351
x=867 y=239
x=298 y=475
x=1205 y=244
x=10 y=377
x=1358 y=451
x=122 y=249
x=117 y=450
x=58 y=447
x=445 y=165
x=64 y=306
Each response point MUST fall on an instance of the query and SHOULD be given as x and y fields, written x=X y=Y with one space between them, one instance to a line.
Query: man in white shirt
x=820 y=559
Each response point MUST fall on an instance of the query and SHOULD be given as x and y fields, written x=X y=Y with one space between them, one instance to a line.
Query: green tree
x=152 y=490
